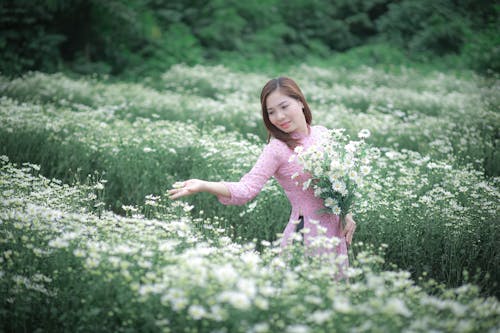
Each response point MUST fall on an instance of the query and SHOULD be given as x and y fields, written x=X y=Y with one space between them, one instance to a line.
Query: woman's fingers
x=177 y=193
x=178 y=185
x=349 y=229
x=349 y=236
x=179 y=190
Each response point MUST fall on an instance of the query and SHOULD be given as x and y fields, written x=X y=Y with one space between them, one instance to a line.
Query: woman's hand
x=188 y=187
x=350 y=227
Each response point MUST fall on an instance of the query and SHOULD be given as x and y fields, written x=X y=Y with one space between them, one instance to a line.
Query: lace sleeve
x=250 y=184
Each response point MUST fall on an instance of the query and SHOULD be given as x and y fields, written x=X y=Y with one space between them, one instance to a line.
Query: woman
x=287 y=118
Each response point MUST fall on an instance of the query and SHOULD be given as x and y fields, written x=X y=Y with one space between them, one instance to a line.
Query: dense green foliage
x=135 y=37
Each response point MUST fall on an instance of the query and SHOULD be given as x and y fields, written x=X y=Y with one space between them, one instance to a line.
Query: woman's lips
x=285 y=125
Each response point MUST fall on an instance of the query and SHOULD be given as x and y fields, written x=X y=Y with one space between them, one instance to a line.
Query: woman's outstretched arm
x=192 y=186
x=237 y=193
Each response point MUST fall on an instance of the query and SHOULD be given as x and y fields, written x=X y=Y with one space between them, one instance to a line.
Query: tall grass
x=65 y=268
x=436 y=201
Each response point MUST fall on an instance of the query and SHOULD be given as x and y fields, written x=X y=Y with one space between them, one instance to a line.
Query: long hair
x=287 y=87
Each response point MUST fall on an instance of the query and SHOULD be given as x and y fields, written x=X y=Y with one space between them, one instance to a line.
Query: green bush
x=26 y=40
x=482 y=50
x=424 y=28
x=338 y=25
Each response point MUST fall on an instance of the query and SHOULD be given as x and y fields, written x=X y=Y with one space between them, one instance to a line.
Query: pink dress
x=274 y=161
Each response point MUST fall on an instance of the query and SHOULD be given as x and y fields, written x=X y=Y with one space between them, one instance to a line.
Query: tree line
x=143 y=36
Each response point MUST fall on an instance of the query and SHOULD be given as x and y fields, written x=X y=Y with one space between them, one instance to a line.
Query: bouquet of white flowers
x=337 y=166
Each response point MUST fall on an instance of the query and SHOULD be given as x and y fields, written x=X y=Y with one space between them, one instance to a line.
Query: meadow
x=89 y=236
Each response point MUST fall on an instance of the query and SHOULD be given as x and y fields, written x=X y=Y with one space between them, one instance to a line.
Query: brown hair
x=288 y=87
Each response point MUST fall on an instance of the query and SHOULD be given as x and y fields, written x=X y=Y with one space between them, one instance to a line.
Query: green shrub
x=26 y=41
x=482 y=51
x=424 y=28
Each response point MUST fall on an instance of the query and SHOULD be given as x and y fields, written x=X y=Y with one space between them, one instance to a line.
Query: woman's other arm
x=193 y=186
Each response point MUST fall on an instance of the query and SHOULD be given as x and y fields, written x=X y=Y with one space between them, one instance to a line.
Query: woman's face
x=286 y=113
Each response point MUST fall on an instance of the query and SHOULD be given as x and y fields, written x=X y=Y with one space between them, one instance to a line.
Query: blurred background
x=137 y=38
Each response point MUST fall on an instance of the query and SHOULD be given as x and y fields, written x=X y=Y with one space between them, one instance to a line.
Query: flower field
x=90 y=243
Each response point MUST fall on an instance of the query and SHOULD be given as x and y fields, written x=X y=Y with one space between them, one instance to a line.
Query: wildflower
x=91 y=262
x=321 y=230
x=317 y=192
x=305 y=230
x=261 y=303
x=306 y=184
x=238 y=300
x=252 y=259
x=162 y=322
x=225 y=274
x=342 y=304
x=397 y=306
x=336 y=210
x=247 y=287
x=79 y=253
x=197 y=312
x=358 y=180
x=338 y=186
x=296 y=237
x=365 y=170
x=334 y=176
x=319 y=317
x=7 y=254
x=128 y=208
x=298 y=150
x=364 y=133
x=299 y=328
x=351 y=147
x=329 y=202
x=260 y=328
x=59 y=243
x=179 y=304
x=335 y=164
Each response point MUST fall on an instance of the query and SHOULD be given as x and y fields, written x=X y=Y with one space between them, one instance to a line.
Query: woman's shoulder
x=276 y=144
x=277 y=148
x=319 y=129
